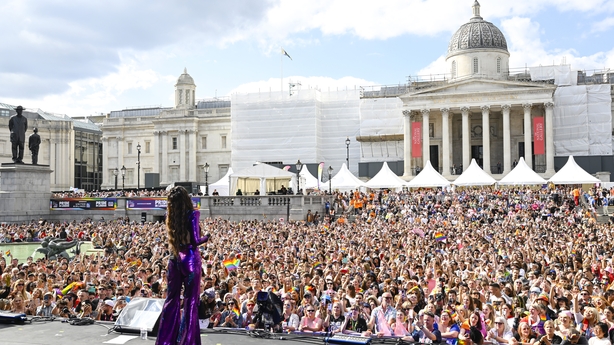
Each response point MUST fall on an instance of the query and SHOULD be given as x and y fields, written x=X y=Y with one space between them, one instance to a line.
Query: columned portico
x=549 y=138
x=407 y=143
x=486 y=137
x=466 y=138
x=507 y=152
x=426 y=143
x=528 y=150
x=445 y=139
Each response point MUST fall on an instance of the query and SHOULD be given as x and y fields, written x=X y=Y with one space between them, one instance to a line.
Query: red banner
x=538 y=136
x=416 y=139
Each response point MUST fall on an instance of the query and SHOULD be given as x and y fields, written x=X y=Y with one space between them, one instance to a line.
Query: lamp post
x=347 y=155
x=299 y=167
x=123 y=169
x=206 y=169
x=138 y=166
x=115 y=172
x=330 y=184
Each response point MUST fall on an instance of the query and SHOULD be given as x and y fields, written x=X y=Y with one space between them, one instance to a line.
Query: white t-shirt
x=597 y=341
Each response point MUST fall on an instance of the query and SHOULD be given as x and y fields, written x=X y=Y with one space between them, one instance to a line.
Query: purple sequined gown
x=177 y=327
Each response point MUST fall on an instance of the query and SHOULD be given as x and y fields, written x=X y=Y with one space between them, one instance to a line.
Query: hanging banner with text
x=100 y=204
x=538 y=136
x=416 y=139
x=154 y=203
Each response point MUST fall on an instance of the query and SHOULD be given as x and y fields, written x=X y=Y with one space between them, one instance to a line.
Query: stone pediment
x=473 y=86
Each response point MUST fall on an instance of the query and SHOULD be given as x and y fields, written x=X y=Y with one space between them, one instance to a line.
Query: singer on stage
x=184 y=269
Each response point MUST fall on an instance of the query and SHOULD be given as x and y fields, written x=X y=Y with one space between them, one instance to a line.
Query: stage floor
x=61 y=333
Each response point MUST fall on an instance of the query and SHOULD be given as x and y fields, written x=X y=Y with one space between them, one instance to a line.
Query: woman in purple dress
x=184 y=269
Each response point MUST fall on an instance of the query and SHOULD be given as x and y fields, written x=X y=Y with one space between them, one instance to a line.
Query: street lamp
x=138 y=166
x=115 y=172
x=347 y=155
x=206 y=169
x=299 y=167
x=123 y=169
x=330 y=185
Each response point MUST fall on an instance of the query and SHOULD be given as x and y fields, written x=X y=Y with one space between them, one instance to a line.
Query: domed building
x=479 y=112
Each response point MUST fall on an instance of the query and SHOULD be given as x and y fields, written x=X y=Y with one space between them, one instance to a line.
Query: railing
x=278 y=200
x=223 y=201
x=249 y=201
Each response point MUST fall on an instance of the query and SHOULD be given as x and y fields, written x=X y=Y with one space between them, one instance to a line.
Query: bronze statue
x=34 y=142
x=18 y=125
x=55 y=248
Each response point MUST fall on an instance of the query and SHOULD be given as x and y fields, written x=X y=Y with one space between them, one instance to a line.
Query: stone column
x=426 y=140
x=120 y=152
x=407 y=115
x=156 y=152
x=183 y=138
x=164 y=176
x=507 y=144
x=445 y=140
x=486 y=138
x=549 y=138
x=466 y=138
x=193 y=149
x=528 y=141
x=105 y=160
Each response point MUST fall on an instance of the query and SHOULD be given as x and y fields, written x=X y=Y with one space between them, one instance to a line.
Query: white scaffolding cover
x=386 y=178
x=583 y=120
x=521 y=175
x=381 y=116
x=474 y=176
x=222 y=186
x=561 y=74
x=345 y=181
x=310 y=125
x=428 y=177
x=572 y=173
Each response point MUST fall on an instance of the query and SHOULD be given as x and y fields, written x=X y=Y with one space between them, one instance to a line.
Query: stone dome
x=477 y=34
x=185 y=78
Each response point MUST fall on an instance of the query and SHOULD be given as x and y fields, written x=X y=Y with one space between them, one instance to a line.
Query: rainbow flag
x=231 y=264
x=236 y=311
x=317 y=265
x=440 y=237
x=7 y=253
x=573 y=252
x=326 y=227
x=543 y=318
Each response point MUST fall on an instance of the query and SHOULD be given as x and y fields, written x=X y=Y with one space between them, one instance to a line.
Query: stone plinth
x=24 y=192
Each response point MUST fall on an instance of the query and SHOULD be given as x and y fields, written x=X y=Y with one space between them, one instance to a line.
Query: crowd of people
x=521 y=265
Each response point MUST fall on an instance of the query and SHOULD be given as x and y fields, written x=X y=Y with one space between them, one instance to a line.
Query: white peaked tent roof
x=521 y=175
x=222 y=185
x=385 y=178
x=428 y=177
x=308 y=181
x=262 y=171
x=572 y=173
x=345 y=180
x=474 y=176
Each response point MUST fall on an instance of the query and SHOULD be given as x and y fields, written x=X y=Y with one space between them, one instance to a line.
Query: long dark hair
x=179 y=205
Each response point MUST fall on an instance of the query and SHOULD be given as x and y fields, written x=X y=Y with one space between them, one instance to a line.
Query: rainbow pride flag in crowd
x=440 y=236
x=231 y=264
x=236 y=311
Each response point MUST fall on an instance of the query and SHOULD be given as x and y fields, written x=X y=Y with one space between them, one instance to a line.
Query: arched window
x=453 y=71
x=499 y=65
x=475 y=65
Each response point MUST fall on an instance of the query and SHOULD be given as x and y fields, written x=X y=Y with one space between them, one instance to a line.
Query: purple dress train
x=176 y=327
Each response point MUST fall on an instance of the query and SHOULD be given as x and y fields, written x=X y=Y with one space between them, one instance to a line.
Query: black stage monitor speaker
x=8 y=317
x=140 y=313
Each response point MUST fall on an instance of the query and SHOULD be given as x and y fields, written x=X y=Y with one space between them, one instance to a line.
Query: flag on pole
x=283 y=52
x=320 y=170
x=286 y=168
x=440 y=237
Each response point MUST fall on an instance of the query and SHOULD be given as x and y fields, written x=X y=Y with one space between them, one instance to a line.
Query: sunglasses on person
x=231 y=303
x=310 y=310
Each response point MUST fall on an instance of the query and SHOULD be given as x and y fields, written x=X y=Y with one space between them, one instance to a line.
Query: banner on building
x=538 y=136
x=416 y=139
x=100 y=204
x=154 y=203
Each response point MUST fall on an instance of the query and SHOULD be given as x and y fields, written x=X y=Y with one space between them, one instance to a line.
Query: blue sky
x=84 y=57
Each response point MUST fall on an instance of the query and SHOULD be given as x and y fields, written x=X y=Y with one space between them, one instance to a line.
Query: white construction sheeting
x=381 y=116
x=572 y=173
x=385 y=178
x=561 y=74
x=521 y=175
x=310 y=125
x=222 y=186
x=583 y=120
x=474 y=176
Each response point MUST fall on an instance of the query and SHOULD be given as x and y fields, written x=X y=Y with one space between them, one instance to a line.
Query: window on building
x=498 y=65
x=431 y=130
x=475 y=65
x=129 y=148
x=147 y=146
x=174 y=143
x=223 y=141
x=180 y=96
x=203 y=143
x=453 y=69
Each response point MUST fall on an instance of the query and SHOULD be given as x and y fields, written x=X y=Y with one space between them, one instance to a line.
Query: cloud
x=314 y=82
x=603 y=25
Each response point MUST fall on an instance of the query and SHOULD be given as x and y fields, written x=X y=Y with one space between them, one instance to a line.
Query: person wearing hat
x=18 y=125
x=34 y=142
x=46 y=308
x=107 y=311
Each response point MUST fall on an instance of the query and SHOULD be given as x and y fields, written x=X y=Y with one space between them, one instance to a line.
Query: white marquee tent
x=262 y=177
x=572 y=173
x=474 y=176
x=222 y=185
x=521 y=175
x=308 y=181
x=344 y=180
x=428 y=177
x=385 y=178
